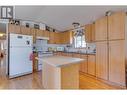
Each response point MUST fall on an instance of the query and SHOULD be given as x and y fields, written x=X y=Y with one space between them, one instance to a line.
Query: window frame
x=82 y=37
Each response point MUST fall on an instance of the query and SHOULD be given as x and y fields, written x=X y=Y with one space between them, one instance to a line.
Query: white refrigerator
x=20 y=49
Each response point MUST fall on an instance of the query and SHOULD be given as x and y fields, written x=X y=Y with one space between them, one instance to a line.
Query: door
x=84 y=64
x=25 y=30
x=116 y=26
x=51 y=38
x=117 y=62
x=91 y=64
x=14 y=29
x=20 y=40
x=93 y=33
x=101 y=29
x=19 y=61
x=102 y=60
x=88 y=33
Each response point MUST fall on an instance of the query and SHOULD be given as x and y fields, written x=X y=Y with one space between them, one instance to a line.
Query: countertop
x=79 y=53
x=60 y=61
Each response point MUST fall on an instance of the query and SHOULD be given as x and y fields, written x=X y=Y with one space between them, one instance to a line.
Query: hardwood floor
x=90 y=82
x=34 y=81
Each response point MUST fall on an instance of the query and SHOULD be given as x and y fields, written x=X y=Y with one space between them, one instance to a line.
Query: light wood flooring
x=34 y=81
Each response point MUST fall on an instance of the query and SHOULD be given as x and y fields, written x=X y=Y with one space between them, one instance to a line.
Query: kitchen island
x=60 y=72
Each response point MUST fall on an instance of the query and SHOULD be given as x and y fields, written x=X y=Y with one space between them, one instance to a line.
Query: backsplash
x=41 y=45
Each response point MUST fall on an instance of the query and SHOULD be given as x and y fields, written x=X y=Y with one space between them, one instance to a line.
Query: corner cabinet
x=116 y=26
x=101 y=33
x=117 y=62
x=102 y=60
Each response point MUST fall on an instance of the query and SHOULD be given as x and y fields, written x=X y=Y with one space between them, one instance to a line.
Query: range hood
x=42 y=38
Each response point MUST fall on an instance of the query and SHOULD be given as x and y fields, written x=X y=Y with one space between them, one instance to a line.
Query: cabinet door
x=117 y=62
x=91 y=64
x=57 y=38
x=33 y=33
x=93 y=33
x=101 y=29
x=88 y=35
x=25 y=30
x=102 y=60
x=46 y=33
x=116 y=26
x=51 y=37
x=14 y=29
x=84 y=64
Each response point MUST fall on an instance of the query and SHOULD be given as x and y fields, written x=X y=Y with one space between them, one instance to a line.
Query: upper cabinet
x=14 y=29
x=66 y=37
x=45 y=33
x=116 y=26
x=101 y=29
x=25 y=30
x=90 y=33
x=51 y=37
x=93 y=32
x=39 y=33
x=33 y=33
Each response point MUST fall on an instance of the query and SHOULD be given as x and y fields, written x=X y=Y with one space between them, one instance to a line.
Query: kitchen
x=86 y=53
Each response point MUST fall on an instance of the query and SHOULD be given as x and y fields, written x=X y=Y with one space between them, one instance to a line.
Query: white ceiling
x=62 y=17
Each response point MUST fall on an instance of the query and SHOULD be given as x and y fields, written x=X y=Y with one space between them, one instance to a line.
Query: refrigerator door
x=19 y=61
x=20 y=40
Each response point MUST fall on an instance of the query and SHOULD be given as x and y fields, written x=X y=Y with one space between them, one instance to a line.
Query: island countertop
x=60 y=61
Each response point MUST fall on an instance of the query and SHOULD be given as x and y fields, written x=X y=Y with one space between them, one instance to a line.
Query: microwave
x=60 y=48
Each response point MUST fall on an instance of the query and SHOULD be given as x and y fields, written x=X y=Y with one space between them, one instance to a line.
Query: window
x=79 y=41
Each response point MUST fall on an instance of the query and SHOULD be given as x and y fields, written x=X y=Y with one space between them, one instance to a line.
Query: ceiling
x=62 y=17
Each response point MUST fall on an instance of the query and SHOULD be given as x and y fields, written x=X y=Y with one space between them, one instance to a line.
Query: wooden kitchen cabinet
x=51 y=37
x=57 y=38
x=66 y=37
x=93 y=32
x=88 y=33
x=76 y=55
x=84 y=65
x=45 y=33
x=33 y=33
x=101 y=33
x=102 y=60
x=14 y=29
x=117 y=62
x=38 y=33
x=91 y=65
x=25 y=30
x=35 y=62
x=116 y=26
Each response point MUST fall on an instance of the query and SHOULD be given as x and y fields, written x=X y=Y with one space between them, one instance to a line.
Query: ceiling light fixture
x=78 y=30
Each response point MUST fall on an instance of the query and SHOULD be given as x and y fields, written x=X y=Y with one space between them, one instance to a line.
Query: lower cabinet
x=84 y=64
x=102 y=60
x=91 y=65
x=117 y=62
